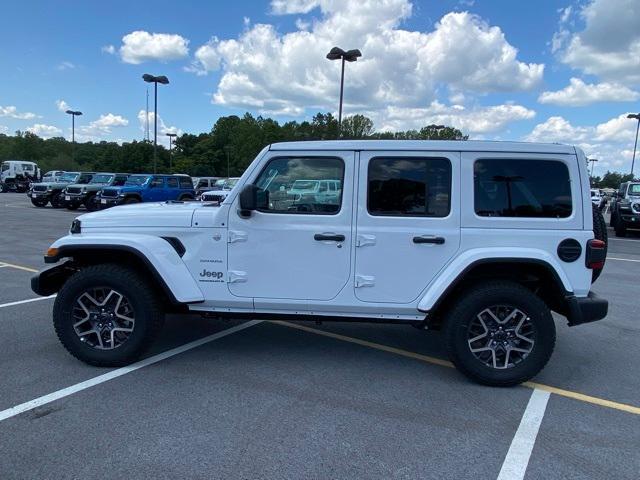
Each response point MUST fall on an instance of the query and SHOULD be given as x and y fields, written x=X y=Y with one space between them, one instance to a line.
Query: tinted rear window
x=522 y=188
x=409 y=186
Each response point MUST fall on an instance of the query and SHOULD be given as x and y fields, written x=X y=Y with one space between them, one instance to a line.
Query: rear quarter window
x=522 y=188
x=186 y=182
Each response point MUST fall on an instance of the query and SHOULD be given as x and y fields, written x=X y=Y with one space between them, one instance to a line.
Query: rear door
x=408 y=222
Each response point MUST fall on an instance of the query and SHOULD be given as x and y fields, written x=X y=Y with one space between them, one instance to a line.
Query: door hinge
x=365 y=281
x=235 y=276
x=364 y=240
x=236 y=236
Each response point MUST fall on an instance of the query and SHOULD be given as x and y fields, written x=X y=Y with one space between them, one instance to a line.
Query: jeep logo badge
x=207 y=273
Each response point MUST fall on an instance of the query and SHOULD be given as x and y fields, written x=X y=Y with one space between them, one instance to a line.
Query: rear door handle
x=429 y=239
x=320 y=237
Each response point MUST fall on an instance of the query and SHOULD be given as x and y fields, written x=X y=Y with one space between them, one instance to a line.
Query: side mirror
x=252 y=198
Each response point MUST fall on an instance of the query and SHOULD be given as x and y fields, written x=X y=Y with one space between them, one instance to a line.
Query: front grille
x=39 y=188
x=110 y=193
x=74 y=189
x=213 y=198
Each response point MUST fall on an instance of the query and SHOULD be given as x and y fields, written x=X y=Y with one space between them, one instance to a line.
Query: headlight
x=98 y=193
x=84 y=190
x=121 y=195
x=49 y=189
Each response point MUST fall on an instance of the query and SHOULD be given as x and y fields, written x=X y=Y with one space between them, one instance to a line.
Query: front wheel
x=107 y=315
x=130 y=201
x=500 y=334
x=57 y=200
x=91 y=203
x=39 y=203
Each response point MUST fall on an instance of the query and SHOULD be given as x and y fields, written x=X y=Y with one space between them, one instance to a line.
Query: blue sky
x=546 y=70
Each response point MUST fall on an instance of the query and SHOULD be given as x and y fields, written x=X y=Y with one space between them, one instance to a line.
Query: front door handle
x=429 y=239
x=320 y=237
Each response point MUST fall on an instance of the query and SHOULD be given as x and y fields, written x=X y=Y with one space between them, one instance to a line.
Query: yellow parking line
x=19 y=267
x=444 y=363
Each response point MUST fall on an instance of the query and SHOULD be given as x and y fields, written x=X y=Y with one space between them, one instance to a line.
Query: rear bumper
x=586 y=309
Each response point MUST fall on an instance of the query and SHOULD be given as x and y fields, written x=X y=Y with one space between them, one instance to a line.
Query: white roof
x=427 y=145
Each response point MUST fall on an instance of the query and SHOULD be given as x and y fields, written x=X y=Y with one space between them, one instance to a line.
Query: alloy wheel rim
x=104 y=318
x=501 y=336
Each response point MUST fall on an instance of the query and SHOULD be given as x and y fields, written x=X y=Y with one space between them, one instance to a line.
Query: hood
x=166 y=214
x=52 y=184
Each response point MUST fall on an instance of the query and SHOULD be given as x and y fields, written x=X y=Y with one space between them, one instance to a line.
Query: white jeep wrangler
x=480 y=239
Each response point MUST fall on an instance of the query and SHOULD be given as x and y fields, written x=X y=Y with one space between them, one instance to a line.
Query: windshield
x=634 y=189
x=219 y=183
x=68 y=177
x=101 y=179
x=231 y=183
x=137 y=180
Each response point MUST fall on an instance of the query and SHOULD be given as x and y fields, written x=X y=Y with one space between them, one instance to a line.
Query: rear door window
x=172 y=182
x=506 y=187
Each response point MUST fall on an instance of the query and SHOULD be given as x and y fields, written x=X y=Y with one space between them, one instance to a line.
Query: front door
x=408 y=222
x=299 y=246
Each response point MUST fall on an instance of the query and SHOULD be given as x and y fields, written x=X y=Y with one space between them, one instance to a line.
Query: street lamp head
x=153 y=79
x=170 y=134
x=73 y=112
x=635 y=116
x=337 y=53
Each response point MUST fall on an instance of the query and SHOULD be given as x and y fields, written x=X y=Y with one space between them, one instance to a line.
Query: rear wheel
x=500 y=334
x=185 y=198
x=107 y=315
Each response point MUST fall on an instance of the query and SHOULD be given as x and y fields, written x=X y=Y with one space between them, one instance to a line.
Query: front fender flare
x=156 y=253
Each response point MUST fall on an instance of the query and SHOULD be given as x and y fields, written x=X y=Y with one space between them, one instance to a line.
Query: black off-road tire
x=57 y=200
x=620 y=228
x=147 y=306
x=72 y=206
x=39 y=203
x=479 y=297
x=600 y=233
x=185 y=198
x=91 y=203
x=131 y=201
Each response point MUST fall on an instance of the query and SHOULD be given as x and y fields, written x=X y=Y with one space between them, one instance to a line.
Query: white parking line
x=92 y=382
x=623 y=259
x=515 y=464
x=28 y=300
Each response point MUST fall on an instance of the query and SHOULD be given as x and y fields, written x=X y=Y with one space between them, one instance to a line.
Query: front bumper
x=106 y=202
x=39 y=195
x=586 y=309
x=630 y=217
x=74 y=198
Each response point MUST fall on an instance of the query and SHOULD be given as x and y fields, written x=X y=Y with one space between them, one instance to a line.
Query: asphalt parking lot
x=279 y=400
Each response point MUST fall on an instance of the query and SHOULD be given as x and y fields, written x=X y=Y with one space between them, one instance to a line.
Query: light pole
x=635 y=145
x=155 y=80
x=593 y=162
x=171 y=137
x=350 y=56
x=74 y=114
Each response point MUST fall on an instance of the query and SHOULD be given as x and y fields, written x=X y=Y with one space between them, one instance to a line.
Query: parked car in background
x=52 y=176
x=625 y=208
x=148 y=188
x=43 y=193
x=204 y=184
x=220 y=190
x=598 y=199
x=85 y=194
x=18 y=175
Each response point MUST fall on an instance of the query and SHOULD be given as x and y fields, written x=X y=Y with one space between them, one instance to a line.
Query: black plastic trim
x=176 y=244
x=569 y=250
x=586 y=309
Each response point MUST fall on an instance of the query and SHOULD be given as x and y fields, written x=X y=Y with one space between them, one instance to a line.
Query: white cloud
x=62 y=105
x=4 y=129
x=100 y=129
x=12 y=112
x=110 y=120
x=287 y=7
x=163 y=128
x=44 y=131
x=65 y=66
x=207 y=58
x=477 y=120
x=578 y=93
x=140 y=46
x=109 y=49
x=609 y=45
x=288 y=74
x=611 y=142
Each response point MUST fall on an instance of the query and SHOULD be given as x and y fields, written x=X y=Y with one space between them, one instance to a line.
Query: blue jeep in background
x=148 y=188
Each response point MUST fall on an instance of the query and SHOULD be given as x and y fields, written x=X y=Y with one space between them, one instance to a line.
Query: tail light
x=596 y=254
